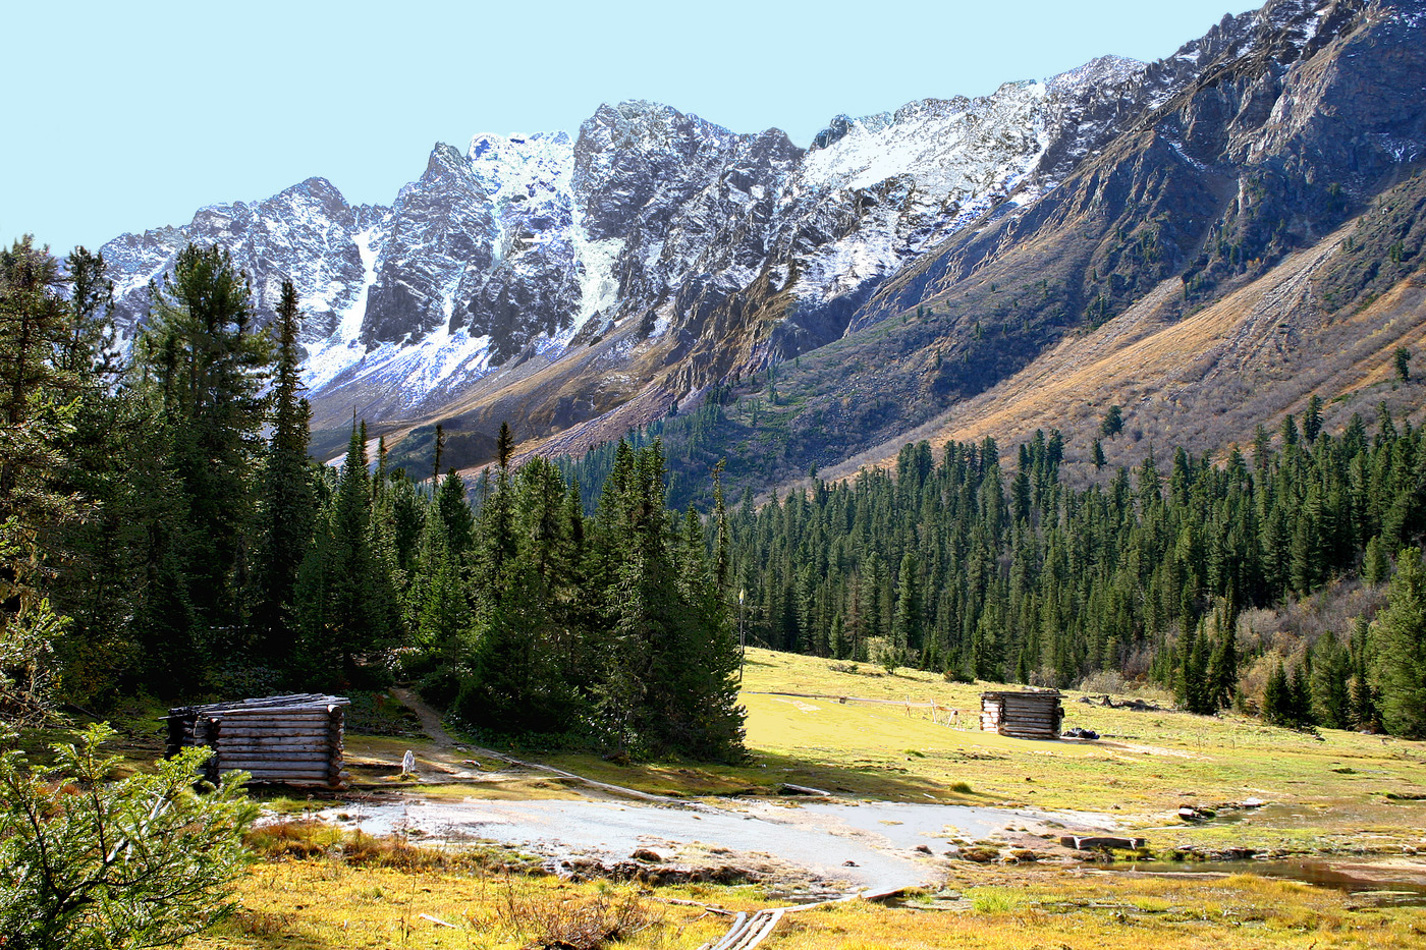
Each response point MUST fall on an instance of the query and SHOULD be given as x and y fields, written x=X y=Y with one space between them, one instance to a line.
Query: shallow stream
x=877 y=838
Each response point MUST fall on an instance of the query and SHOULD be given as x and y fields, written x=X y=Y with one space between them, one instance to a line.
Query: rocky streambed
x=875 y=846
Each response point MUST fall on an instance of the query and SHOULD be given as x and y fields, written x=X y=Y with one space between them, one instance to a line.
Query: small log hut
x=290 y=740
x=1024 y=714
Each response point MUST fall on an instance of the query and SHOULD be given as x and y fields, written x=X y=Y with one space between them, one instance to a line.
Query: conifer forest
x=165 y=532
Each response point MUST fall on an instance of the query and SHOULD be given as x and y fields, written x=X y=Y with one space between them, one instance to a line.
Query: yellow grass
x=372 y=894
x=309 y=905
x=1056 y=910
x=1329 y=793
x=320 y=903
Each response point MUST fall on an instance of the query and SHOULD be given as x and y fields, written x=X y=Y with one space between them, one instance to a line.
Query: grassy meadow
x=1338 y=793
x=327 y=902
x=1327 y=791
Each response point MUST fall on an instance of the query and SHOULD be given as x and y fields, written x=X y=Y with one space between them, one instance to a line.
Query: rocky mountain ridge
x=590 y=283
x=522 y=243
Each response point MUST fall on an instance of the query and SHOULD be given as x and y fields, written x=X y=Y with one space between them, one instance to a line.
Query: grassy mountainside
x=1324 y=320
x=1248 y=240
x=1327 y=320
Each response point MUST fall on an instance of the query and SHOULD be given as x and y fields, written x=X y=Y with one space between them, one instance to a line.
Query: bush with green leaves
x=89 y=861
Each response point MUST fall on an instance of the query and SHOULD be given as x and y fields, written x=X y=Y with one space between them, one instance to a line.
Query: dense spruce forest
x=958 y=565
x=166 y=533
x=962 y=563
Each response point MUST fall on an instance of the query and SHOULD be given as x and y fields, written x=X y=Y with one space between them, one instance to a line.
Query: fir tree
x=1400 y=641
x=288 y=509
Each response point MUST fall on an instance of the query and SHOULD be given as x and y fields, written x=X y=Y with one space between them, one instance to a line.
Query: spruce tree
x=1365 y=714
x=1113 y=422
x=454 y=510
x=1300 y=711
x=908 y=626
x=205 y=365
x=344 y=602
x=1223 y=669
x=1277 y=697
x=288 y=503
x=1331 y=673
x=1312 y=419
x=1399 y=637
x=1376 y=566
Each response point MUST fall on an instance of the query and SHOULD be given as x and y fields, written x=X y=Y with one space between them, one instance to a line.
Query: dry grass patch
x=995 y=911
x=313 y=905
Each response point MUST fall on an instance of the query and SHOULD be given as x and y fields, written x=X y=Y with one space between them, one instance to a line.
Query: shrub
x=86 y=862
x=590 y=924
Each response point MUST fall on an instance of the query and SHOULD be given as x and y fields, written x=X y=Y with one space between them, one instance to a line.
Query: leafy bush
x=89 y=862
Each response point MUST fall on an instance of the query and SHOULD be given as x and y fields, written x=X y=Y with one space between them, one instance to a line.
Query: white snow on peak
x=598 y=287
x=520 y=165
x=947 y=146
x=1105 y=70
x=941 y=164
x=343 y=348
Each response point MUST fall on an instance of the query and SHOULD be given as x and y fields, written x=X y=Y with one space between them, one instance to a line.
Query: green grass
x=1148 y=764
x=307 y=895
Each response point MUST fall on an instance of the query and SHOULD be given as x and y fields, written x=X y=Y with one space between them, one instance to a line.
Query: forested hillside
x=960 y=564
x=165 y=532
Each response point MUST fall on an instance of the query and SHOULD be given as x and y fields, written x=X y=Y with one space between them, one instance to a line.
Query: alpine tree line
x=957 y=564
x=164 y=531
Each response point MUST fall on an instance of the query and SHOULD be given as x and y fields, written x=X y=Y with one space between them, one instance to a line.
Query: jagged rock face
x=306 y=234
x=709 y=253
x=1287 y=122
x=441 y=229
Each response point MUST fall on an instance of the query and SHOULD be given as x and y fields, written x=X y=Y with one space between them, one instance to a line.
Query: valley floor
x=907 y=746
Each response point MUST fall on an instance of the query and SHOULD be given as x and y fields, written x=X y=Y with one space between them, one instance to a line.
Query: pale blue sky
x=122 y=116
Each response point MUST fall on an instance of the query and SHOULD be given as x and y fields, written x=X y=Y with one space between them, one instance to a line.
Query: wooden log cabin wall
x=291 y=740
x=1024 y=714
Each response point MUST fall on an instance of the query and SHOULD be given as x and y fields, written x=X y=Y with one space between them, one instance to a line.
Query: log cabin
x=295 y=739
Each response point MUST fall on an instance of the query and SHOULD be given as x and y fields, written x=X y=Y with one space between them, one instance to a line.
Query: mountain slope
x=907 y=270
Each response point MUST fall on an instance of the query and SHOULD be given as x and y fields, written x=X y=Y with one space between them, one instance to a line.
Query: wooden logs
x=1028 y=714
x=294 y=739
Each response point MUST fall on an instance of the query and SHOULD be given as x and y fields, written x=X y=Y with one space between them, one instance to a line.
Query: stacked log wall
x=1022 y=715
x=292 y=740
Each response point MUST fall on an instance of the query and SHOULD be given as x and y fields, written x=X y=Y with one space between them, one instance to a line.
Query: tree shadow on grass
x=769 y=772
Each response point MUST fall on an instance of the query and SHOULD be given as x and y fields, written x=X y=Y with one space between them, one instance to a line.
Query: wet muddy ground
x=872 y=845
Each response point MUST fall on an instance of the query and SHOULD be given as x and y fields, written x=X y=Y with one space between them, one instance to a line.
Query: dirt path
x=430 y=720
x=445 y=743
